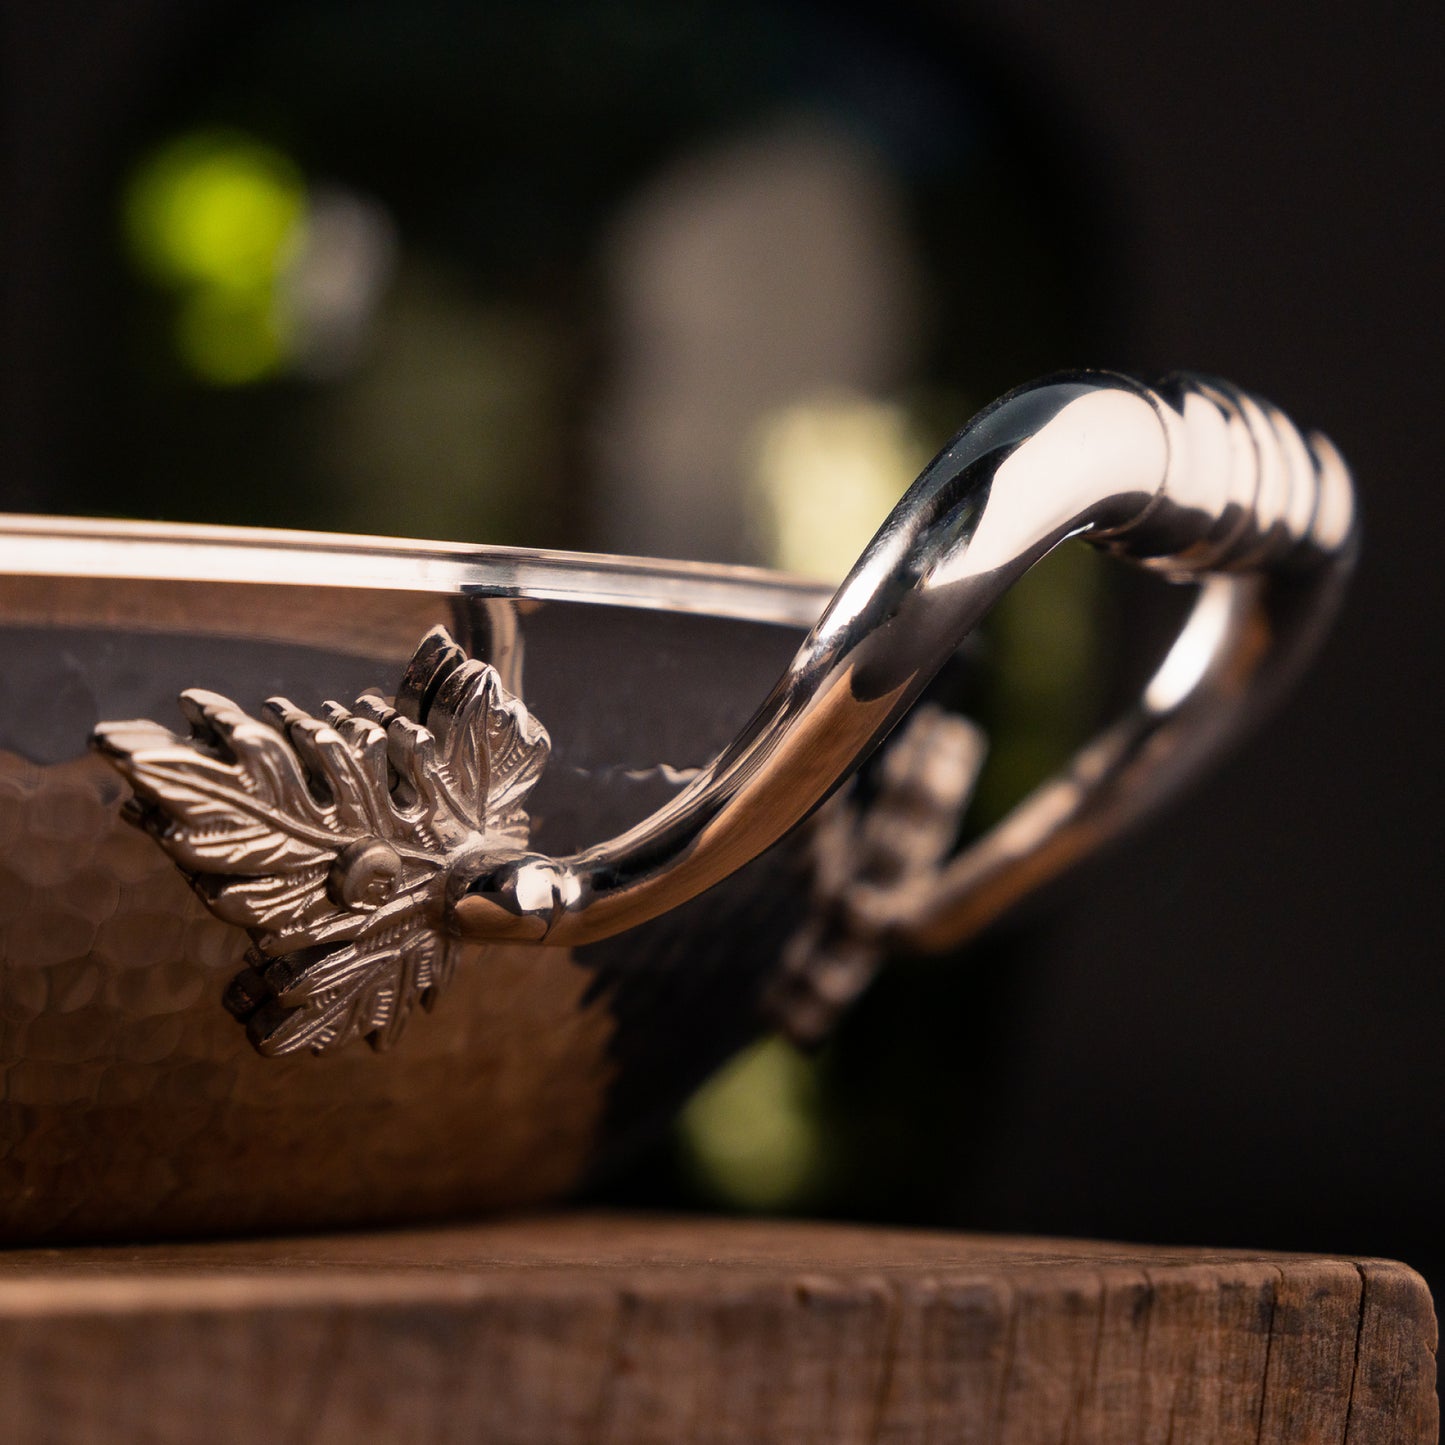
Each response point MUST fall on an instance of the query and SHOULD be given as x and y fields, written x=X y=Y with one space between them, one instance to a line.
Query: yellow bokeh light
x=825 y=474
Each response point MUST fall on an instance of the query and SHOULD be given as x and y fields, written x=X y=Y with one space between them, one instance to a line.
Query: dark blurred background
x=712 y=280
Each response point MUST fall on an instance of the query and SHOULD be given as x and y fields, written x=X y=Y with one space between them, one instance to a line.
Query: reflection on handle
x=1194 y=479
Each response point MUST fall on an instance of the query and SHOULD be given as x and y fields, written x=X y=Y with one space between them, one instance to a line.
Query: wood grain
x=635 y=1330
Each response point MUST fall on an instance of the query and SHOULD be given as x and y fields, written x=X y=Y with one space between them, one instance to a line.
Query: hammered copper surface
x=134 y=1105
x=356 y=623
x=131 y=1103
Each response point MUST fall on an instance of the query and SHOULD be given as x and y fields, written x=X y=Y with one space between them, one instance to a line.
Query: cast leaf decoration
x=331 y=839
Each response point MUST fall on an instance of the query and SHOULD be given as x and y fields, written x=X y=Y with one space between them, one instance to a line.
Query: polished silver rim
x=149 y=551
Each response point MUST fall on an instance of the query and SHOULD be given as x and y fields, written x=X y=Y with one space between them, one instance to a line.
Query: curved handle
x=1193 y=478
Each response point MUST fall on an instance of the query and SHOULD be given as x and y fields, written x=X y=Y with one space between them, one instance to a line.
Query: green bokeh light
x=216 y=217
x=230 y=338
x=754 y=1133
x=214 y=209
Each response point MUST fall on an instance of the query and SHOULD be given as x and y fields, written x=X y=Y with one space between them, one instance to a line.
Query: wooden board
x=629 y=1329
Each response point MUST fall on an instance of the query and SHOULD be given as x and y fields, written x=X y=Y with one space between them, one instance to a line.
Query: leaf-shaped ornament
x=489 y=745
x=330 y=839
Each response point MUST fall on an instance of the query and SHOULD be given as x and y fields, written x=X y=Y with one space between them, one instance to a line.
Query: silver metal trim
x=36 y=546
x=331 y=839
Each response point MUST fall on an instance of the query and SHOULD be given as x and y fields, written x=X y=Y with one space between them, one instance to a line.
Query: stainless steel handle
x=1192 y=478
x=357 y=846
